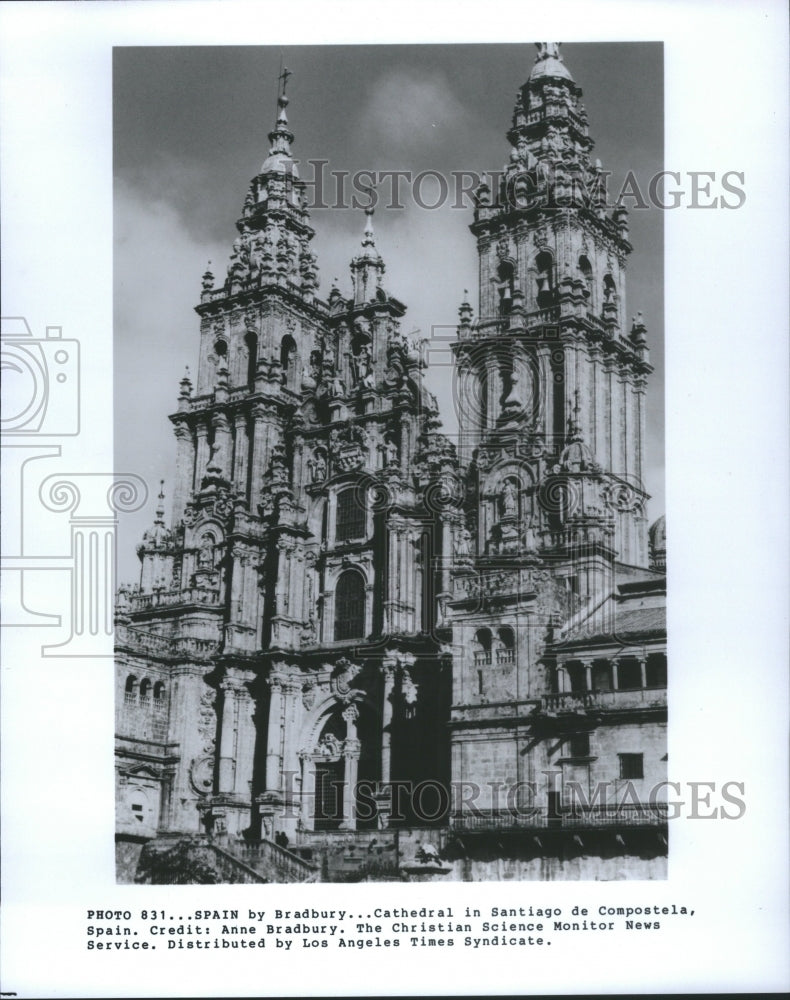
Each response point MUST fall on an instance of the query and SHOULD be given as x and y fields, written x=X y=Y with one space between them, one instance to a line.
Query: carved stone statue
x=318 y=466
x=463 y=543
x=390 y=453
x=206 y=554
x=364 y=369
x=509 y=499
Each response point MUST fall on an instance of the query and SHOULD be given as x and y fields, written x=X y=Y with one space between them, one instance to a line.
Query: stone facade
x=355 y=628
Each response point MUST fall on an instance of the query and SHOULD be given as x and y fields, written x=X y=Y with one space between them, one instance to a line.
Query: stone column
x=276 y=682
x=201 y=457
x=493 y=392
x=223 y=439
x=595 y=402
x=447 y=558
x=643 y=671
x=185 y=468
x=388 y=675
x=587 y=664
x=227 y=736
x=546 y=394
x=609 y=459
x=351 y=757
x=292 y=690
x=262 y=442
x=245 y=739
x=307 y=790
x=241 y=447
x=615 y=674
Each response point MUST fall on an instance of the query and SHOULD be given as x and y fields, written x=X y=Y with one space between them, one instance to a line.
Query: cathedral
x=366 y=649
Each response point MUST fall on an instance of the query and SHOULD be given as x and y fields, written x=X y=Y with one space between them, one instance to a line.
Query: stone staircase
x=193 y=859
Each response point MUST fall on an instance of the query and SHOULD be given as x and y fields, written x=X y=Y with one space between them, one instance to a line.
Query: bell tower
x=550 y=387
x=550 y=359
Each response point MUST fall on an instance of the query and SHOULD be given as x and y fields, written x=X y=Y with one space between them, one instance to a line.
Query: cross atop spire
x=367 y=268
x=281 y=136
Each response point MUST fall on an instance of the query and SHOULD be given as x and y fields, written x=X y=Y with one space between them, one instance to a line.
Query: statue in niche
x=364 y=369
x=514 y=401
x=390 y=450
x=409 y=691
x=336 y=386
x=463 y=543
x=206 y=553
x=508 y=499
x=318 y=466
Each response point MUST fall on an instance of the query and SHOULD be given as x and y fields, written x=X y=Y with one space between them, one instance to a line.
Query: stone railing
x=493 y=583
x=138 y=640
x=568 y=817
x=174 y=859
x=276 y=863
x=549 y=315
x=580 y=701
x=579 y=535
x=170 y=598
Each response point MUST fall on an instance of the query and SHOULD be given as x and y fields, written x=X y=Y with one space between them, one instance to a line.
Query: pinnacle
x=281 y=136
x=549 y=62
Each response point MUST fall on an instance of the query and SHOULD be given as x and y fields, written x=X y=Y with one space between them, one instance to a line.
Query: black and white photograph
x=406 y=617
x=356 y=362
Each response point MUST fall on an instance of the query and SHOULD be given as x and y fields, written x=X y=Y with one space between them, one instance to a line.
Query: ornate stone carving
x=201 y=774
x=207 y=720
x=348 y=447
x=309 y=693
x=342 y=677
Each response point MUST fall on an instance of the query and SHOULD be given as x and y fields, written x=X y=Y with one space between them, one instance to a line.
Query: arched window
x=506 y=652
x=350 y=518
x=545 y=291
x=350 y=606
x=145 y=690
x=505 y=287
x=130 y=690
x=159 y=691
x=483 y=647
x=251 y=341
x=609 y=290
x=287 y=353
x=586 y=271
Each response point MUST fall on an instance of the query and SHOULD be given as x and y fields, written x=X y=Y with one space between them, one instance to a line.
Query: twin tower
x=352 y=616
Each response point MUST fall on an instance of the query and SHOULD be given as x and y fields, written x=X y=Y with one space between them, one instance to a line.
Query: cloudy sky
x=190 y=127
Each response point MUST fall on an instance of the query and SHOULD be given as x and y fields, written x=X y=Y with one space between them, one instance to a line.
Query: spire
x=368 y=239
x=160 y=507
x=281 y=136
x=367 y=268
